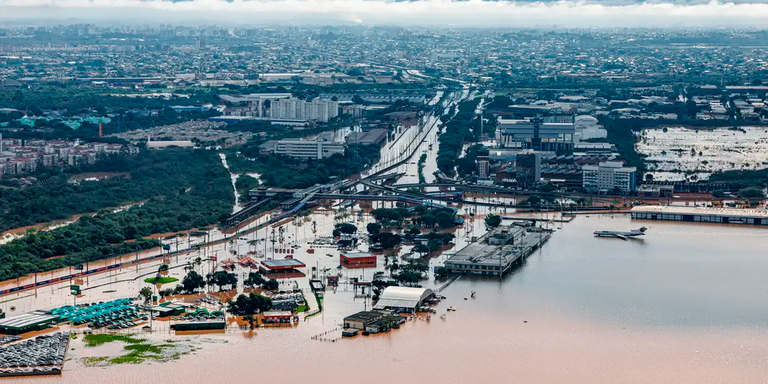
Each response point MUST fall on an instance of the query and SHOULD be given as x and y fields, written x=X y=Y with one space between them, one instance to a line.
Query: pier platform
x=497 y=251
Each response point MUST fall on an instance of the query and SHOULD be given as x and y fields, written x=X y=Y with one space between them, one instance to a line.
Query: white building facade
x=309 y=149
x=608 y=176
x=296 y=109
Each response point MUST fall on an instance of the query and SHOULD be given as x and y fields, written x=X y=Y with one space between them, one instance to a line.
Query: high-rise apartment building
x=316 y=110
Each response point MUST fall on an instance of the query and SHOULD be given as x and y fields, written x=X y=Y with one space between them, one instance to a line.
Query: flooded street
x=678 y=306
x=233 y=176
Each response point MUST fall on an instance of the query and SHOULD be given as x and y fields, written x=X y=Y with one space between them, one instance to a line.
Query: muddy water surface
x=683 y=305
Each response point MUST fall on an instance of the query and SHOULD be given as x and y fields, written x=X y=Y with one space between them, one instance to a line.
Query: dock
x=496 y=252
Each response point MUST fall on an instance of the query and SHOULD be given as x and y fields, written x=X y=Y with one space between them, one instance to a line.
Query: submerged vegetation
x=138 y=350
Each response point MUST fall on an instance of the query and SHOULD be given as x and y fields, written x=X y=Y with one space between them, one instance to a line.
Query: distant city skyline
x=473 y=13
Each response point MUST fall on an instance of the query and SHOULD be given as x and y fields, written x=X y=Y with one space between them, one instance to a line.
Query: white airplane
x=624 y=235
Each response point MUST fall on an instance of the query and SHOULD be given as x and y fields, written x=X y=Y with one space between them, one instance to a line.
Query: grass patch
x=94 y=340
x=94 y=360
x=302 y=308
x=139 y=353
x=138 y=350
x=162 y=280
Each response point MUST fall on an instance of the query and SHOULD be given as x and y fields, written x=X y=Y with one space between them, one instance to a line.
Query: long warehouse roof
x=402 y=297
x=675 y=210
x=26 y=320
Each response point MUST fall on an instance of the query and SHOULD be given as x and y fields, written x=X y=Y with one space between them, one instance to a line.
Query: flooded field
x=689 y=154
x=679 y=306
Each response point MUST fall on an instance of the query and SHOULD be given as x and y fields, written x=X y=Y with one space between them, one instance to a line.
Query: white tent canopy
x=402 y=297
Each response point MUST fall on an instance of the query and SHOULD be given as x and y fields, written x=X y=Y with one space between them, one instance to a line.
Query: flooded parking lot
x=677 y=153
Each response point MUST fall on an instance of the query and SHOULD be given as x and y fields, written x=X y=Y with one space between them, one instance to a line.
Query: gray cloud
x=618 y=13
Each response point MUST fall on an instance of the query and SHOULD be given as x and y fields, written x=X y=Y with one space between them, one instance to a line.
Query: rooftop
x=278 y=313
x=27 y=320
x=482 y=253
x=669 y=209
x=283 y=263
x=356 y=255
x=365 y=316
x=402 y=297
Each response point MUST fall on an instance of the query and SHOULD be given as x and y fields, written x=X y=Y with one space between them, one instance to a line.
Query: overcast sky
x=612 y=13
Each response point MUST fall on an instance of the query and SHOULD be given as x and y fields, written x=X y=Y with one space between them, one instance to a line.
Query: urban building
x=357 y=260
x=701 y=214
x=371 y=322
x=536 y=134
x=528 y=169
x=281 y=268
x=169 y=143
x=199 y=325
x=24 y=156
x=483 y=166
x=609 y=176
x=587 y=128
x=254 y=97
x=277 y=317
x=495 y=252
x=590 y=149
x=403 y=299
x=317 y=109
x=33 y=321
x=363 y=319
x=374 y=136
x=306 y=149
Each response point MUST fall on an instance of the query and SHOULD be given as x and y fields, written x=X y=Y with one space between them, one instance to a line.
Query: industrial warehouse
x=701 y=214
x=403 y=299
x=27 y=322
x=497 y=251
x=393 y=301
x=357 y=260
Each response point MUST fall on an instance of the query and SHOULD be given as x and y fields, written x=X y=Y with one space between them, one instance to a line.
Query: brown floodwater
x=686 y=304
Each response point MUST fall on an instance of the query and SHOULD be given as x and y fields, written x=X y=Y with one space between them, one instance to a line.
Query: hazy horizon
x=446 y=13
